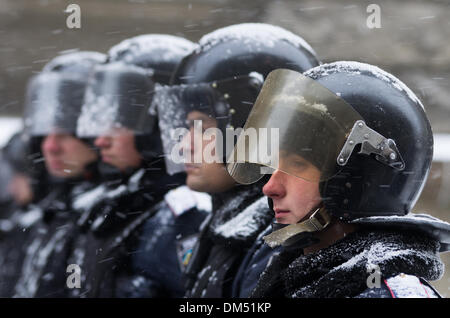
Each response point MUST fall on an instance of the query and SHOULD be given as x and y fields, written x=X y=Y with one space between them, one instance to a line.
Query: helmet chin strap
x=285 y=236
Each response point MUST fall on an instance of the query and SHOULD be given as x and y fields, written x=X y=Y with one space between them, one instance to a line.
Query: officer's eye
x=299 y=164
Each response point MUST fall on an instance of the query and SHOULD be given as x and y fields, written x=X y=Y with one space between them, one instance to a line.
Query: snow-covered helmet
x=54 y=96
x=117 y=95
x=381 y=181
x=80 y=62
x=53 y=102
x=159 y=52
x=223 y=76
x=120 y=91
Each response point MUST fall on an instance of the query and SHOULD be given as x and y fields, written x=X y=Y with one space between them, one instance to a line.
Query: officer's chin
x=195 y=182
x=61 y=172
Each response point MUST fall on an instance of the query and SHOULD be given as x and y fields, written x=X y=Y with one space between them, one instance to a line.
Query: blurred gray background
x=413 y=43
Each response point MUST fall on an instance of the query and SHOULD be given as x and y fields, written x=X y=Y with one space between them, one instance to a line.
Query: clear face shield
x=53 y=104
x=117 y=96
x=194 y=119
x=312 y=133
x=6 y=176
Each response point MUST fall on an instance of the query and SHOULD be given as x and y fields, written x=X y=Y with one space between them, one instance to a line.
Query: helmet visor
x=298 y=127
x=193 y=109
x=53 y=103
x=117 y=96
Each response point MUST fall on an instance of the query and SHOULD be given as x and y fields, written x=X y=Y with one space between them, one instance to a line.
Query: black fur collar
x=239 y=215
x=340 y=270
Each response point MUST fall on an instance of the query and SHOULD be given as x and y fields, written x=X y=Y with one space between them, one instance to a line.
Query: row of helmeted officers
x=117 y=188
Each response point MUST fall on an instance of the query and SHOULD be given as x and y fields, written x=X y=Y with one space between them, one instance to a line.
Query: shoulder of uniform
x=401 y=286
x=183 y=199
x=409 y=286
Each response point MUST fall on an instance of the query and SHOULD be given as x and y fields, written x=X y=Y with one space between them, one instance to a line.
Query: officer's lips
x=280 y=212
x=191 y=167
x=106 y=157
x=55 y=164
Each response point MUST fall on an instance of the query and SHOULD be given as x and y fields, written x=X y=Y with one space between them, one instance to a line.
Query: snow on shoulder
x=408 y=286
x=182 y=199
x=245 y=223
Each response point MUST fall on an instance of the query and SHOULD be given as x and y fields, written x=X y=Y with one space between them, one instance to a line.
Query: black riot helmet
x=242 y=49
x=223 y=75
x=16 y=152
x=363 y=131
x=358 y=131
x=159 y=52
x=388 y=175
x=80 y=62
x=157 y=55
x=119 y=95
x=54 y=98
x=53 y=102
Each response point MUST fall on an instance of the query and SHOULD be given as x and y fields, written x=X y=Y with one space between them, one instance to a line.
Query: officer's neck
x=331 y=234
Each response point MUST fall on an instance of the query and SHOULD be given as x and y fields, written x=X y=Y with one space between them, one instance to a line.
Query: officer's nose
x=51 y=144
x=103 y=142
x=275 y=188
x=187 y=143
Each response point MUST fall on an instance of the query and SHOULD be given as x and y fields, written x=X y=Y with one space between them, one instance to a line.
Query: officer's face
x=118 y=149
x=293 y=198
x=204 y=177
x=65 y=155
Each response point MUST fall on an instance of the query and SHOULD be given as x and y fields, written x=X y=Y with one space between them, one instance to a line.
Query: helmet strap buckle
x=318 y=220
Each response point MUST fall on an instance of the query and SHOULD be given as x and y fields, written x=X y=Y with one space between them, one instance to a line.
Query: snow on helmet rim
x=410 y=216
x=175 y=46
x=74 y=57
x=353 y=67
x=262 y=33
x=118 y=66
